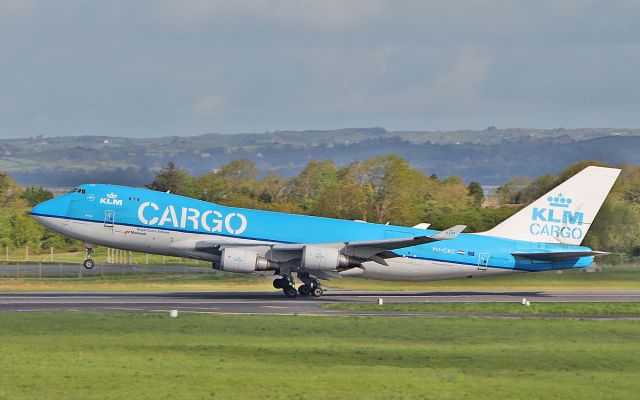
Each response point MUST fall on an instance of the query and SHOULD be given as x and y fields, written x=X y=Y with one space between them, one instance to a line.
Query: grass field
x=197 y=356
x=631 y=309
x=626 y=279
x=157 y=283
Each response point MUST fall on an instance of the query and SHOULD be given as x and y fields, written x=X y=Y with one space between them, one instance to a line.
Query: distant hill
x=491 y=156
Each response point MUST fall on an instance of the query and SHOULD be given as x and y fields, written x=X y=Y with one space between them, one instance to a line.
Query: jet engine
x=237 y=259
x=326 y=259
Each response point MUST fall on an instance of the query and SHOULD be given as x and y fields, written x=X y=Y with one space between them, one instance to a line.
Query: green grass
x=504 y=308
x=137 y=283
x=135 y=356
x=568 y=280
x=611 y=279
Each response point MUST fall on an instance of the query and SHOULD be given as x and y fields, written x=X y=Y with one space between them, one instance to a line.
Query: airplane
x=543 y=236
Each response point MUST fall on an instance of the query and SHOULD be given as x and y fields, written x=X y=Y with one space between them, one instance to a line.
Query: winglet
x=448 y=234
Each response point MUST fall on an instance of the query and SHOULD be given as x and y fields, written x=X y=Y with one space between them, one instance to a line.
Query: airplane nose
x=48 y=208
x=37 y=209
x=49 y=212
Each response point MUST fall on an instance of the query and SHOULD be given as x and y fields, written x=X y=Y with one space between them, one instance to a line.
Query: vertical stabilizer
x=564 y=215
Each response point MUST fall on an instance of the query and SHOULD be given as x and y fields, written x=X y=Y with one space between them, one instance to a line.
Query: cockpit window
x=79 y=190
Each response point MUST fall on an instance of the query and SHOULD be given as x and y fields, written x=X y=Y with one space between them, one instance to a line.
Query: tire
x=88 y=263
x=304 y=290
x=290 y=291
x=277 y=283
x=317 y=291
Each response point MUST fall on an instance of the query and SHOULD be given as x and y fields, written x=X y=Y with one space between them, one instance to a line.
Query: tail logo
x=557 y=220
x=559 y=201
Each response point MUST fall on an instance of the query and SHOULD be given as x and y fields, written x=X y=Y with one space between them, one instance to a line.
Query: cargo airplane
x=543 y=236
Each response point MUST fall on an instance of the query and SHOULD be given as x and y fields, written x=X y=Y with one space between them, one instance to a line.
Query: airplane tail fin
x=564 y=215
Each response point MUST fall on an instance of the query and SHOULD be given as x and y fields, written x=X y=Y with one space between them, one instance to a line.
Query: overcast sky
x=155 y=68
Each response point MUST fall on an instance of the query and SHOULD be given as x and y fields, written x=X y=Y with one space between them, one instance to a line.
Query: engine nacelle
x=237 y=259
x=325 y=259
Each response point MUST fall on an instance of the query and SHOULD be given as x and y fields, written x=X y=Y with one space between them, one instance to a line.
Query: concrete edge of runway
x=274 y=303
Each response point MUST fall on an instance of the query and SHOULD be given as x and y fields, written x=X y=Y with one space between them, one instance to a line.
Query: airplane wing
x=558 y=255
x=398 y=243
x=366 y=250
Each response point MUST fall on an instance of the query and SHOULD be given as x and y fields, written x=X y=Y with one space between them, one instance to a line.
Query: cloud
x=207 y=106
x=154 y=67
x=12 y=10
x=326 y=15
x=463 y=80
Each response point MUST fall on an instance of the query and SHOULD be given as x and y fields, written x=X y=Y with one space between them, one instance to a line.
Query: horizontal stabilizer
x=558 y=255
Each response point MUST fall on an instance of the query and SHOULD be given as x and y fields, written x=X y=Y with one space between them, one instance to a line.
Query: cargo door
x=109 y=218
x=483 y=261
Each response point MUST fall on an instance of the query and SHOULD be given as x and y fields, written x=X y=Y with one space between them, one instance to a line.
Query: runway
x=276 y=303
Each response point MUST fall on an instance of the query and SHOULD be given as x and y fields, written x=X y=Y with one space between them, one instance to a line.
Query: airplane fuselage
x=147 y=221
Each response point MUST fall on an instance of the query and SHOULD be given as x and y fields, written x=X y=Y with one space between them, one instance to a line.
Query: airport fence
x=20 y=263
x=100 y=255
x=73 y=270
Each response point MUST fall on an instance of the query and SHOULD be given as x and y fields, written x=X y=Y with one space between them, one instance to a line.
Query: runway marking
x=448 y=296
x=126 y=309
x=55 y=297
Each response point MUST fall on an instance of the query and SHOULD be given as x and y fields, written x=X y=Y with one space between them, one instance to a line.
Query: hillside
x=491 y=156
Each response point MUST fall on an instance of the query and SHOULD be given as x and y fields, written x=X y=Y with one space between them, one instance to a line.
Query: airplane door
x=109 y=218
x=483 y=261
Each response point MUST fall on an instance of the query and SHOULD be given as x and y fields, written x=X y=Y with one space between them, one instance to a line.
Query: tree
x=232 y=181
x=476 y=191
x=173 y=179
x=345 y=198
x=239 y=170
x=311 y=183
x=396 y=188
x=512 y=191
x=36 y=195
x=9 y=190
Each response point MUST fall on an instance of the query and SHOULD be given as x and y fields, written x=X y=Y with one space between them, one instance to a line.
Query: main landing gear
x=88 y=260
x=310 y=286
x=286 y=285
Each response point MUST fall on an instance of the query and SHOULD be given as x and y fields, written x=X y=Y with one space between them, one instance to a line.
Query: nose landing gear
x=88 y=260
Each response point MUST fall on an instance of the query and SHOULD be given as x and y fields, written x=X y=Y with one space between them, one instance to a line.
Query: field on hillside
x=197 y=356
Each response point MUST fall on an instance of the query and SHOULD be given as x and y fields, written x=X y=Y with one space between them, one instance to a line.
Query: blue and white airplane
x=543 y=236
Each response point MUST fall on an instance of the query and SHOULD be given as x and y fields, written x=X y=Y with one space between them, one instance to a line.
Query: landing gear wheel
x=280 y=283
x=88 y=263
x=290 y=291
x=317 y=291
x=304 y=290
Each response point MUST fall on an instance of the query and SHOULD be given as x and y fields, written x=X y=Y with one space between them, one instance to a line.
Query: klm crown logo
x=559 y=201
x=111 y=199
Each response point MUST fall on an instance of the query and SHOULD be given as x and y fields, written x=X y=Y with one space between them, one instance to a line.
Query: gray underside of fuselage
x=178 y=244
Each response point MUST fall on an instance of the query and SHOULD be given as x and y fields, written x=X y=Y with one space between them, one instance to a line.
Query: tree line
x=384 y=189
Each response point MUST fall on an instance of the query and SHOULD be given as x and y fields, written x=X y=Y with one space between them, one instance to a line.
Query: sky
x=150 y=68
